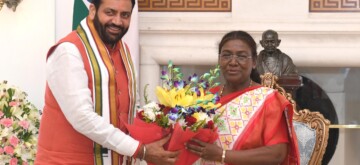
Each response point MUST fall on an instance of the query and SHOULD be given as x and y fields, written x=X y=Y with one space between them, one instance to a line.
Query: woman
x=256 y=122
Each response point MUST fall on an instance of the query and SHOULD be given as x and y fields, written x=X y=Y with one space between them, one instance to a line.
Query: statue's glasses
x=226 y=57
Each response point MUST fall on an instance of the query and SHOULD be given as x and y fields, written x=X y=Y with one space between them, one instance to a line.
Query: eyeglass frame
x=239 y=58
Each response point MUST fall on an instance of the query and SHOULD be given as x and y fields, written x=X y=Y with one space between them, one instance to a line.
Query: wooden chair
x=312 y=129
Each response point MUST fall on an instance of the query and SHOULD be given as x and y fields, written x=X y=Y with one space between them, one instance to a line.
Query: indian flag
x=79 y=13
x=69 y=13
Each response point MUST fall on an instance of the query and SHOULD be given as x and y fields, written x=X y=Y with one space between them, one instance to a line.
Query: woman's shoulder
x=259 y=87
x=270 y=94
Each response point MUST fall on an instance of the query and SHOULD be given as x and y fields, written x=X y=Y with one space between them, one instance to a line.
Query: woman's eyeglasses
x=239 y=58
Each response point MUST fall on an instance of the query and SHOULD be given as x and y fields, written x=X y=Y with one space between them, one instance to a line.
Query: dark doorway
x=311 y=96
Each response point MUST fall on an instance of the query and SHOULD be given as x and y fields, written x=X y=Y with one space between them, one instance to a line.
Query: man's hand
x=156 y=154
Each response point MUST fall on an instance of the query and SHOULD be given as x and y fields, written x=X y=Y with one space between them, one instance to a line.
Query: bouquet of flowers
x=186 y=109
x=19 y=124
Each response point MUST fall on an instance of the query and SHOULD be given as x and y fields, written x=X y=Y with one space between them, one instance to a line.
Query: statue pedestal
x=290 y=83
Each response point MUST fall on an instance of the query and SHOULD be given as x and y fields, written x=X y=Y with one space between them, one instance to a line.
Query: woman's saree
x=256 y=117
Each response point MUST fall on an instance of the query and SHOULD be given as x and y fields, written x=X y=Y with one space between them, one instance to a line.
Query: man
x=272 y=59
x=90 y=94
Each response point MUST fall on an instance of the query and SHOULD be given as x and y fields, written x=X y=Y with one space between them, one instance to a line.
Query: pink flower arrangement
x=9 y=150
x=6 y=122
x=24 y=124
x=13 y=103
x=14 y=141
x=13 y=161
x=19 y=125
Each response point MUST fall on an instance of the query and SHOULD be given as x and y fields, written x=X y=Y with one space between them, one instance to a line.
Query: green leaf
x=217 y=74
x=179 y=76
x=164 y=77
x=211 y=79
x=11 y=93
x=199 y=101
x=217 y=69
x=146 y=94
x=217 y=116
x=170 y=64
x=206 y=75
x=198 y=125
x=216 y=84
x=176 y=70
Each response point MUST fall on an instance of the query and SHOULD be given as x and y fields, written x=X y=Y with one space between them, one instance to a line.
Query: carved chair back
x=311 y=128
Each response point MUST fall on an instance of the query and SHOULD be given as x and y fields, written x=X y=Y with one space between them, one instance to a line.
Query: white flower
x=151 y=110
x=4 y=158
x=152 y=106
x=4 y=132
x=25 y=121
x=3 y=103
x=18 y=149
x=150 y=114
x=182 y=122
x=27 y=155
x=200 y=116
x=17 y=112
x=172 y=122
x=158 y=113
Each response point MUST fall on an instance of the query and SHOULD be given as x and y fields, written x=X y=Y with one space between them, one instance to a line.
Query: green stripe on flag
x=80 y=12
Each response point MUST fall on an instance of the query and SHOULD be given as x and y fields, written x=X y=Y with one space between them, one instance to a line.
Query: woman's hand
x=273 y=154
x=204 y=150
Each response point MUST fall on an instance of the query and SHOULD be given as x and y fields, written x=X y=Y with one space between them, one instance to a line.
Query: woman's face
x=236 y=62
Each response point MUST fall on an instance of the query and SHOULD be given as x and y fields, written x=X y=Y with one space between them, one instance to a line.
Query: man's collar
x=114 y=47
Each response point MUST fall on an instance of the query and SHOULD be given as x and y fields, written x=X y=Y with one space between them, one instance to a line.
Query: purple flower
x=216 y=98
x=174 y=110
x=195 y=90
x=212 y=111
x=173 y=117
x=194 y=78
x=179 y=84
x=190 y=110
x=204 y=84
x=163 y=73
x=164 y=76
x=198 y=93
x=198 y=108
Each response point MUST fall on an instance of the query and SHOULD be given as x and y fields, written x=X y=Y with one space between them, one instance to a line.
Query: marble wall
x=324 y=45
x=25 y=37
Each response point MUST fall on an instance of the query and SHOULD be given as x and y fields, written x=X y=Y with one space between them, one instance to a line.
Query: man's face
x=112 y=19
x=270 y=42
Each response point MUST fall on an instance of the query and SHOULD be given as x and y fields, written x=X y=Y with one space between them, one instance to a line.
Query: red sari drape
x=270 y=124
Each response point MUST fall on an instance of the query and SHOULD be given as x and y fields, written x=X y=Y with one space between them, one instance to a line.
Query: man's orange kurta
x=58 y=140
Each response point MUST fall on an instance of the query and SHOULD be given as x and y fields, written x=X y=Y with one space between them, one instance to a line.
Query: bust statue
x=271 y=59
x=12 y=4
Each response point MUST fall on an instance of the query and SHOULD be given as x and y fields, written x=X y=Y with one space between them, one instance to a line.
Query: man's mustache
x=122 y=28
